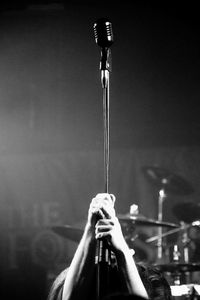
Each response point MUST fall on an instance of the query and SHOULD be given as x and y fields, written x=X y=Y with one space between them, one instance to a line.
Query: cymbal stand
x=161 y=198
x=175 y=259
x=175 y=230
x=186 y=240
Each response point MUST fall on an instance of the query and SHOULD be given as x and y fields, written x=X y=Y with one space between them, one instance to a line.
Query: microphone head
x=103 y=33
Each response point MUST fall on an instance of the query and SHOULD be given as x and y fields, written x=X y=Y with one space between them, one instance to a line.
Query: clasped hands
x=102 y=219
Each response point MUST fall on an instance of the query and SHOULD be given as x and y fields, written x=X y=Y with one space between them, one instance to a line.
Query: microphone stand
x=103 y=254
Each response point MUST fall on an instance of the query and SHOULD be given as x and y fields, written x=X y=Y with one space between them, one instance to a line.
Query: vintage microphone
x=104 y=38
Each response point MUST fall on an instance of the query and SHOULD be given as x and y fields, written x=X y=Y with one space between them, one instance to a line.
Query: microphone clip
x=105 y=62
x=105 y=66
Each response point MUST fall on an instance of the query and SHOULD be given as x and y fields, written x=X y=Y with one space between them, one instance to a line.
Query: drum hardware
x=188 y=213
x=170 y=182
x=134 y=218
x=140 y=220
x=180 y=268
x=132 y=221
x=185 y=240
x=128 y=222
x=180 y=273
x=175 y=230
x=161 y=198
x=166 y=182
x=176 y=255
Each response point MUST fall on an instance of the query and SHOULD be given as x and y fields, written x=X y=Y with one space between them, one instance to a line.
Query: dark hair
x=120 y=296
x=155 y=283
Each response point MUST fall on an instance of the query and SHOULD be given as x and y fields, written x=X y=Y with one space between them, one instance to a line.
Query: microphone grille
x=103 y=32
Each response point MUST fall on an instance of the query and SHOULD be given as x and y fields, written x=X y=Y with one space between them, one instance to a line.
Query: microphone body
x=104 y=38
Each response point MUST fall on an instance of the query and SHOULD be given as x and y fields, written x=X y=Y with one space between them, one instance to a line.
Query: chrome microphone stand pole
x=103 y=254
x=105 y=76
x=161 y=198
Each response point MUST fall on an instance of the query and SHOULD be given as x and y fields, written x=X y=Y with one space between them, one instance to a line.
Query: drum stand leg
x=186 y=258
x=161 y=198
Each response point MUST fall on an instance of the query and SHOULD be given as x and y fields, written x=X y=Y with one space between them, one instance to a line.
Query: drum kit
x=174 y=262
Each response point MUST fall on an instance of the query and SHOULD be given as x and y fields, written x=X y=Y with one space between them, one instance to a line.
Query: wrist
x=89 y=230
x=125 y=252
x=125 y=258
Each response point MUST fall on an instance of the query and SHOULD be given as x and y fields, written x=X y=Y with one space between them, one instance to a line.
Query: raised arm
x=81 y=271
x=110 y=229
x=102 y=223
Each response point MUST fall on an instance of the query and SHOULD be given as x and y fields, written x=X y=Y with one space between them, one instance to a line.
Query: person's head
x=155 y=283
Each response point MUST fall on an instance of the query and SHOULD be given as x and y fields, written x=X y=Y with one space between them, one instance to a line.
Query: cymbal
x=75 y=234
x=187 y=211
x=170 y=182
x=72 y=233
x=178 y=267
x=140 y=220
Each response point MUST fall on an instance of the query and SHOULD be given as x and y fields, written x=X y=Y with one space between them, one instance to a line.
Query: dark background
x=51 y=133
